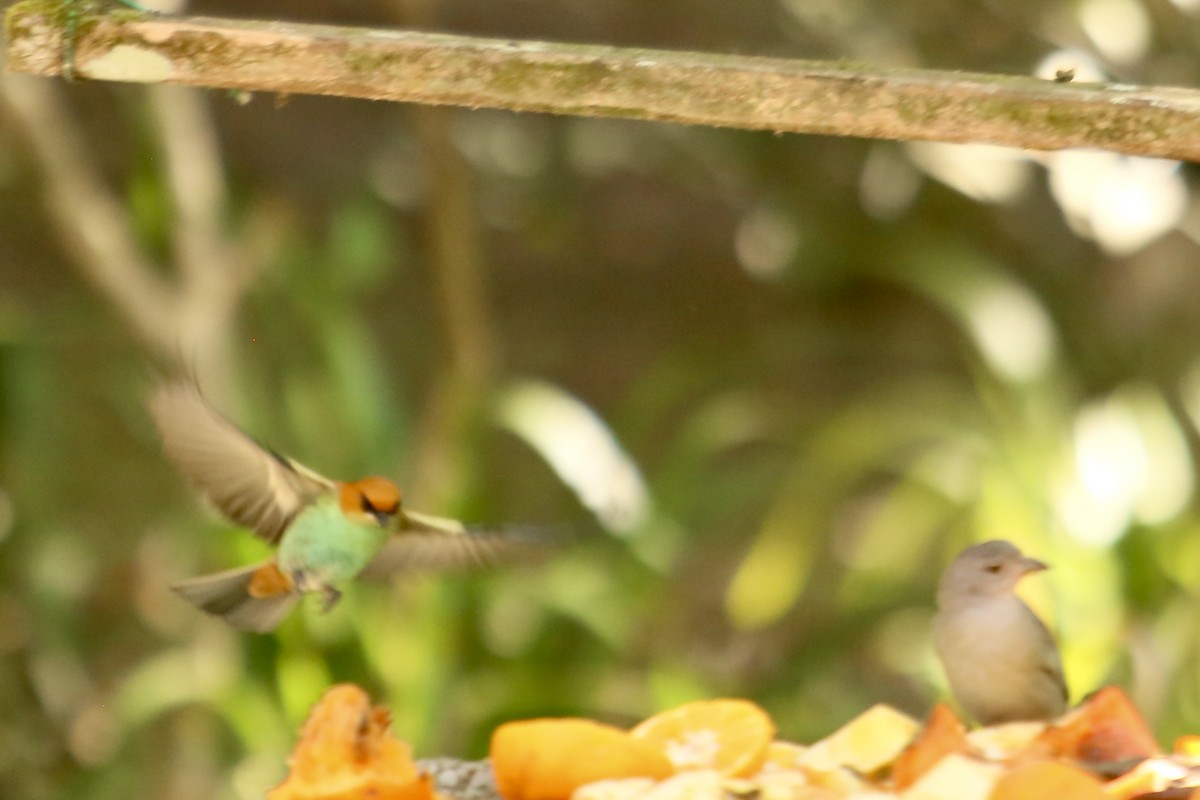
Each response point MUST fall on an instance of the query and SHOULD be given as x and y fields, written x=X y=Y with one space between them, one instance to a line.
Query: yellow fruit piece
x=1152 y=775
x=956 y=777
x=1004 y=741
x=614 y=789
x=785 y=784
x=692 y=785
x=942 y=735
x=784 y=755
x=1047 y=780
x=346 y=753
x=730 y=736
x=1105 y=727
x=1188 y=745
x=866 y=743
x=548 y=759
x=842 y=781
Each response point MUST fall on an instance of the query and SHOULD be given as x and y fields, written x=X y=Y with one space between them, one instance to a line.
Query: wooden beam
x=779 y=95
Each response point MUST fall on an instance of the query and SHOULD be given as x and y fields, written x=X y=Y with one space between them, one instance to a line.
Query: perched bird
x=1001 y=661
x=326 y=532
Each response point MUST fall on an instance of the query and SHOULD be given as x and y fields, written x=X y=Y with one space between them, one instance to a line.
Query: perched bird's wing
x=1049 y=657
x=427 y=543
x=250 y=484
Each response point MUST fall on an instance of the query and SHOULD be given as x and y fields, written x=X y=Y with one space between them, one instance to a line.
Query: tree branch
x=692 y=88
x=183 y=310
x=94 y=225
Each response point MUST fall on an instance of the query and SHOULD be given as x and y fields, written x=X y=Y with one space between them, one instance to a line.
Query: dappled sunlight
x=771 y=577
x=1110 y=463
x=1081 y=598
x=1120 y=29
x=1013 y=331
x=915 y=503
x=581 y=449
x=982 y=172
x=1131 y=464
x=884 y=434
x=1121 y=202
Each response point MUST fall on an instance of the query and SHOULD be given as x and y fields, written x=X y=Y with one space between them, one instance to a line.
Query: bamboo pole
x=692 y=88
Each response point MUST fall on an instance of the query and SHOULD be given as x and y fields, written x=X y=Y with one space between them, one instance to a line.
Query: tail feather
x=227 y=595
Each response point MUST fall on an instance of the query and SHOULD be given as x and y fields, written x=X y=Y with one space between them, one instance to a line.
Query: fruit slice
x=548 y=759
x=1188 y=746
x=942 y=735
x=866 y=743
x=957 y=777
x=1106 y=727
x=784 y=755
x=1047 y=780
x=730 y=736
x=346 y=753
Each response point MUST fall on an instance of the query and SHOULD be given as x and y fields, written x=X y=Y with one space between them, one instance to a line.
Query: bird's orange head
x=375 y=499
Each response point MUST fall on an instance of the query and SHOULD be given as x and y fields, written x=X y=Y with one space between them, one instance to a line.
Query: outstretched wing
x=251 y=484
x=426 y=543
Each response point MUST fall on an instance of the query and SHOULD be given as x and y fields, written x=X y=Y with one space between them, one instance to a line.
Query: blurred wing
x=247 y=482
x=433 y=543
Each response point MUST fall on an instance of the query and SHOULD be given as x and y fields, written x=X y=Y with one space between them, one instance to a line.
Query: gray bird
x=1001 y=661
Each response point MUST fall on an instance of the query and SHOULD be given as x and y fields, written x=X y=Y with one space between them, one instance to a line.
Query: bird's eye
x=369 y=507
x=993 y=568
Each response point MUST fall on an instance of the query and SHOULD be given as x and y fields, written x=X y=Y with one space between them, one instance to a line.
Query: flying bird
x=1000 y=659
x=326 y=533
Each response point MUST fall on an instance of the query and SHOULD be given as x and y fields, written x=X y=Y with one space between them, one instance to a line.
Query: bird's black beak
x=382 y=517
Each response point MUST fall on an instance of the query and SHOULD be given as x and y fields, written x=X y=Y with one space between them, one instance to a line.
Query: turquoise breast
x=326 y=546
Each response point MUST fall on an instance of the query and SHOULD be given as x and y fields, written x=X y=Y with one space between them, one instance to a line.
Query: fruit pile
x=727 y=750
x=346 y=753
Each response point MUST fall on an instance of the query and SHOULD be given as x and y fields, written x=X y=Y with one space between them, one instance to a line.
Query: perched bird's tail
x=254 y=598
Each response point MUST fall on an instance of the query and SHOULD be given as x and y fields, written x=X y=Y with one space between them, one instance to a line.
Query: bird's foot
x=332 y=596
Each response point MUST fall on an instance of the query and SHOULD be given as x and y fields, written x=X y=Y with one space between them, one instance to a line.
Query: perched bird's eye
x=366 y=505
x=994 y=568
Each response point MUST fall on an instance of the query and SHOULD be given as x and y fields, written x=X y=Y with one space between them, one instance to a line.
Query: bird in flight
x=326 y=533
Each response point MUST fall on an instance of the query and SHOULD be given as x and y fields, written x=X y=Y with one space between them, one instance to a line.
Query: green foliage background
x=817 y=436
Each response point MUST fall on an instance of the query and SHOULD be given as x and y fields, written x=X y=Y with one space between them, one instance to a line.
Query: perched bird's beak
x=383 y=518
x=1033 y=565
